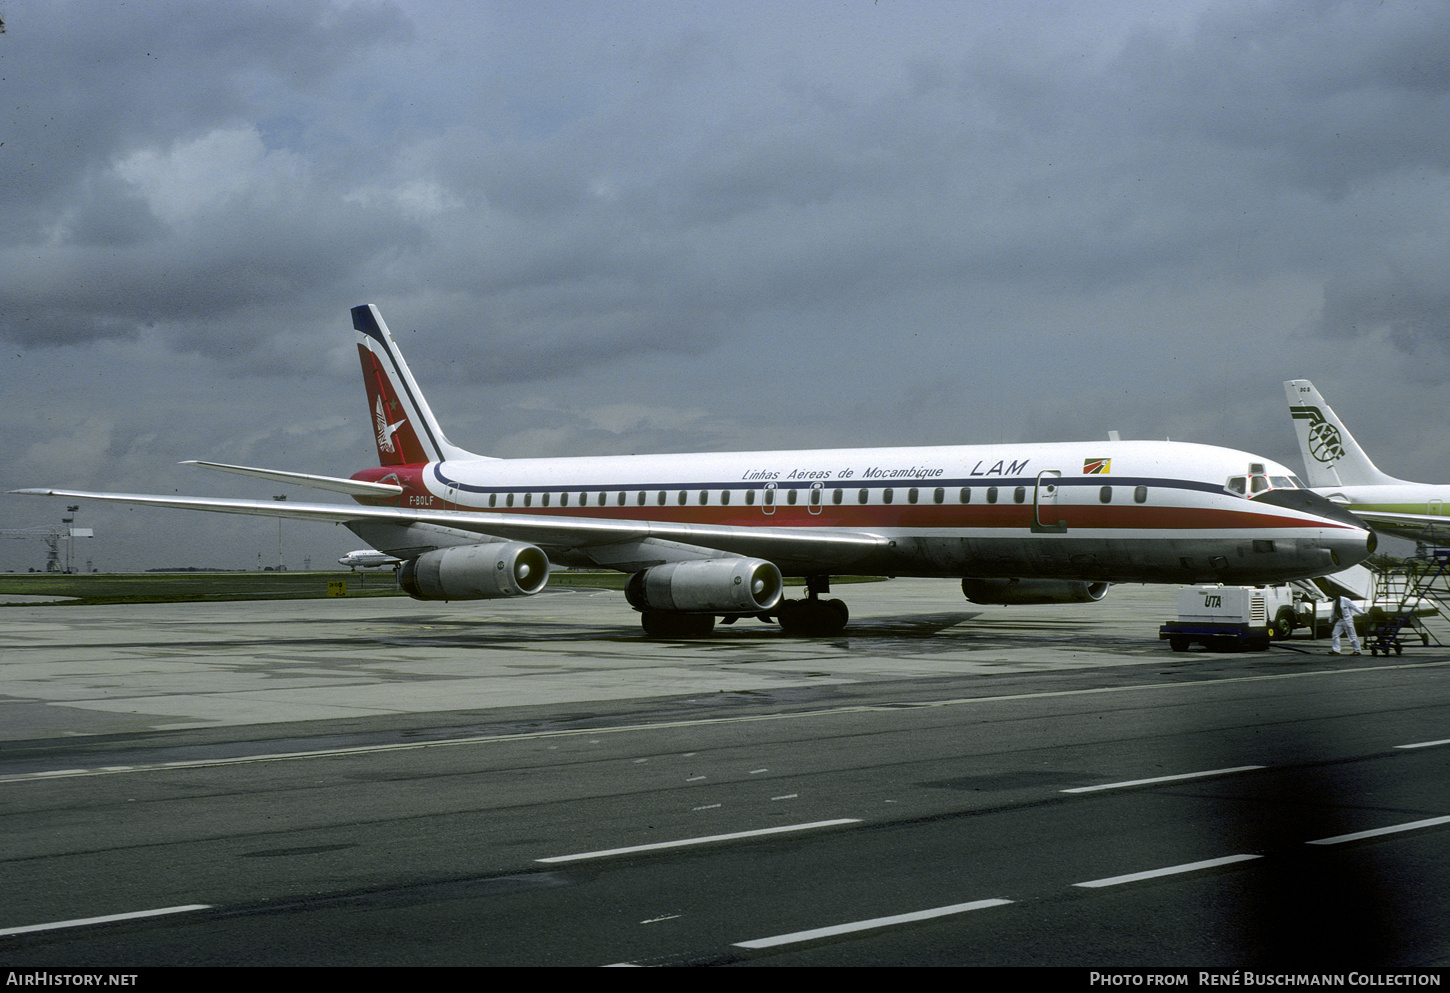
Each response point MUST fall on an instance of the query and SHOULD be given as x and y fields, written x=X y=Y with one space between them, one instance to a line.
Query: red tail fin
x=398 y=443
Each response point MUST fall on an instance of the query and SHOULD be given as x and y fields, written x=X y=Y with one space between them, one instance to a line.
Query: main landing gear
x=812 y=617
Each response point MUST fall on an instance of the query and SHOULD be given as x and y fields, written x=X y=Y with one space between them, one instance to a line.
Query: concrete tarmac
x=387 y=782
x=67 y=670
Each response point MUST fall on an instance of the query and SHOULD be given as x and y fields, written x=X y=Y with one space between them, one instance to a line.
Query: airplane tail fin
x=404 y=427
x=1331 y=455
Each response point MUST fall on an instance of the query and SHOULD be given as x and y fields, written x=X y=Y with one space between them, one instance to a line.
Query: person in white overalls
x=1343 y=617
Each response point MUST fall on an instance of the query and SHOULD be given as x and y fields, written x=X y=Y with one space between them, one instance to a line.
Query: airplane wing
x=824 y=548
x=1413 y=527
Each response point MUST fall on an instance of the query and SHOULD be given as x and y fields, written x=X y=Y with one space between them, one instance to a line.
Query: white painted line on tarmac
x=1340 y=839
x=1426 y=744
x=706 y=840
x=109 y=918
x=1164 y=779
x=876 y=922
x=1172 y=870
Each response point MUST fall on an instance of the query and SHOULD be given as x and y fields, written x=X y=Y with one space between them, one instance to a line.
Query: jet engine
x=475 y=572
x=722 y=586
x=1028 y=591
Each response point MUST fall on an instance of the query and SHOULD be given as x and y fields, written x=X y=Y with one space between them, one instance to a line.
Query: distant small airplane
x=712 y=534
x=1338 y=468
x=366 y=558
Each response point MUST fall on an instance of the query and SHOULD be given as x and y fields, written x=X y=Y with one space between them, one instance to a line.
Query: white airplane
x=366 y=558
x=712 y=534
x=1339 y=469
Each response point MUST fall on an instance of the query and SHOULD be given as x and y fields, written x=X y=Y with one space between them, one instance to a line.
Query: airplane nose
x=1351 y=548
x=1348 y=542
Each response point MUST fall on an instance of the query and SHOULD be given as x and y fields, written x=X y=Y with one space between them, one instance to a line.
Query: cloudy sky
x=602 y=227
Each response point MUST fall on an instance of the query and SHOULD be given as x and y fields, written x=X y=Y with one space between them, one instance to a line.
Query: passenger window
x=660 y=498
x=836 y=496
x=1140 y=494
x=749 y=497
x=509 y=500
x=815 y=496
x=790 y=497
x=938 y=495
x=911 y=495
x=862 y=496
x=991 y=494
x=1019 y=494
x=1105 y=495
x=528 y=499
x=682 y=498
x=639 y=499
x=724 y=497
x=966 y=494
x=886 y=495
x=493 y=499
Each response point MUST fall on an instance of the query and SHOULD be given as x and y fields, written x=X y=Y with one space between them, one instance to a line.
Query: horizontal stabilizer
x=352 y=487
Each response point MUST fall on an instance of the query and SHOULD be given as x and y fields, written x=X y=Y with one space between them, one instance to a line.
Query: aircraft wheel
x=813 y=618
x=668 y=624
x=791 y=616
x=1178 y=643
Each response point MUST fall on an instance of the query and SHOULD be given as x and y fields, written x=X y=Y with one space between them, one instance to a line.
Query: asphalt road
x=390 y=783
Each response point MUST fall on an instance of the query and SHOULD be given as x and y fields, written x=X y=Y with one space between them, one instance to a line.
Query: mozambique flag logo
x=1097 y=467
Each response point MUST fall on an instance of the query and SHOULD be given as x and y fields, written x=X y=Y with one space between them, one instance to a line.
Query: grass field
x=176 y=587
x=173 y=587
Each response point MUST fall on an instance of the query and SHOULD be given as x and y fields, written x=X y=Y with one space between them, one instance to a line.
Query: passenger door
x=1045 y=519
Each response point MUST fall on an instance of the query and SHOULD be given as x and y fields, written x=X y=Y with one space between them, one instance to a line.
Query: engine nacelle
x=728 y=586
x=475 y=572
x=1028 y=591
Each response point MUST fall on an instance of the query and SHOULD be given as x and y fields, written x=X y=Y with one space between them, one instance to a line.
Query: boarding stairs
x=1408 y=596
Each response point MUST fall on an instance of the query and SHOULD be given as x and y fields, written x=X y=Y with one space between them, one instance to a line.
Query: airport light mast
x=280 y=567
x=53 y=535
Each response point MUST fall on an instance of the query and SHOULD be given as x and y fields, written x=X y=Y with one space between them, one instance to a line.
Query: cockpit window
x=1256 y=483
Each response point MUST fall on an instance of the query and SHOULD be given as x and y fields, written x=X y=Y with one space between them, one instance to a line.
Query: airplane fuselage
x=1391 y=498
x=1117 y=511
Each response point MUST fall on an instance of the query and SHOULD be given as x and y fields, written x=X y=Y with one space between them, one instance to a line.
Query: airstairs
x=1408 y=596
